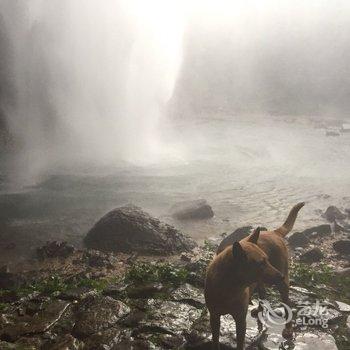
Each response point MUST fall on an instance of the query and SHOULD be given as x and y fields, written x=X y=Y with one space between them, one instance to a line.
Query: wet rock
x=190 y=295
x=134 y=318
x=302 y=290
x=198 y=336
x=28 y=343
x=342 y=246
x=298 y=239
x=169 y=341
x=321 y=230
x=343 y=307
x=235 y=236
x=4 y=268
x=97 y=314
x=95 y=258
x=168 y=317
x=112 y=338
x=65 y=342
x=8 y=346
x=64 y=325
x=39 y=323
x=310 y=341
x=10 y=280
x=145 y=291
x=55 y=250
x=115 y=290
x=332 y=213
x=78 y=293
x=312 y=255
x=192 y=210
x=130 y=229
x=343 y=272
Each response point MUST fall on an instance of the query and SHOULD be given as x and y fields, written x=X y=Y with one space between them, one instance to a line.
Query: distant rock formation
x=195 y=209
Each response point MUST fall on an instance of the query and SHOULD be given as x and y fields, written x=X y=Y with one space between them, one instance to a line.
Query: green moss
x=209 y=246
x=308 y=275
x=54 y=285
x=311 y=277
x=3 y=307
x=156 y=272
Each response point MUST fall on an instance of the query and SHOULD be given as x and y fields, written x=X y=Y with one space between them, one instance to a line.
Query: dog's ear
x=253 y=238
x=238 y=252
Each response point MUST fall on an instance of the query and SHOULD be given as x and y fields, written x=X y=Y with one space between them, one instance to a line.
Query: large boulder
x=192 y=210
x=129 y=229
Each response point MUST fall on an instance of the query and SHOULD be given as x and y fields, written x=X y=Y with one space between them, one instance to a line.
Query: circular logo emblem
x=272 y=317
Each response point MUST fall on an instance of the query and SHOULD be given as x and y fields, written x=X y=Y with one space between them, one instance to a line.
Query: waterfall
x=92 y=79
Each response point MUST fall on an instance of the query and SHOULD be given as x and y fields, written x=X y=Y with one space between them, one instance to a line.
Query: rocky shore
x=116 y=298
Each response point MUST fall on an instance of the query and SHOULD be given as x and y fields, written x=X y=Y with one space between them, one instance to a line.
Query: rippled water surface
x=249 y=172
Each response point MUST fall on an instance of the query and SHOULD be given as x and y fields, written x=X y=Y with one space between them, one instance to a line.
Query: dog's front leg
x=241 y=325
x=215 y=330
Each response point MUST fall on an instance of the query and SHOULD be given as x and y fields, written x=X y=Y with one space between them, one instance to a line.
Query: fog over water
x=154 y=102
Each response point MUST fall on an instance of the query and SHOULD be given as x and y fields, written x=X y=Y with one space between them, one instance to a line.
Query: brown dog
x=234 y=273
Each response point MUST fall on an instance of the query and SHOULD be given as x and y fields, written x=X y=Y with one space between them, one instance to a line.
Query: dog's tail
x=289 y=223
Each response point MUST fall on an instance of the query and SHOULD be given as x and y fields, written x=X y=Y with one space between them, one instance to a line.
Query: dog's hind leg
x=284 y=291
x=215 y=330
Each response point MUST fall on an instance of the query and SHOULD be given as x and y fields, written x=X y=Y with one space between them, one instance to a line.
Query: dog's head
x=253 y=263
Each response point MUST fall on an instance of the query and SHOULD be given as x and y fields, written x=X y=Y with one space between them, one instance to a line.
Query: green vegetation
x=209 y=246
x=309 y=276
x=157 y=272
x=312 y=277
x=54 y=285
x=3 y=307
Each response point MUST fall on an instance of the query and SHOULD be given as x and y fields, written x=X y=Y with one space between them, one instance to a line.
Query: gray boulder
x=298 y=239
x=98 y=314
x=312 y=255
x=236 y=236
x=129 y=229
x=192 y=210
x=342 y=246
x=321 y=230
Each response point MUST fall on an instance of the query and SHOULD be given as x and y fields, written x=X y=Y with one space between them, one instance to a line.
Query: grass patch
x=307 y=275
x=54 y=285
x=3 y=307
x=166 y=273
x=311 y=277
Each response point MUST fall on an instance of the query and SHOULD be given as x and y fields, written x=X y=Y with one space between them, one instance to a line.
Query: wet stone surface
x=39 y=323
x=98 y=314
